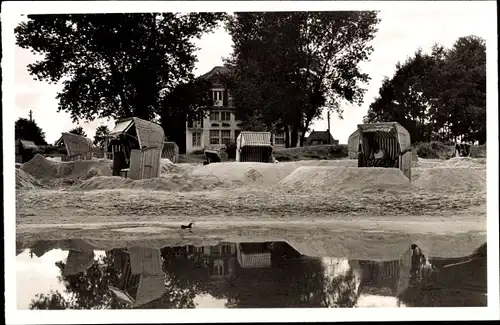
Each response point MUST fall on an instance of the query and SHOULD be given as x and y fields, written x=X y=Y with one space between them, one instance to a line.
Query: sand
x=374 y=204
x=450 y=179
x=54 y=173
x=249 y=173
x=165 y=183
x=345 y=179
x=458 y=175
x=25 y=180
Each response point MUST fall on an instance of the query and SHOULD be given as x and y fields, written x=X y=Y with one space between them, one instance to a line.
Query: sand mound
x=25 y=180
x=428 y=163
x=84 y=169
x=40 y=168
x=55 y=172
x=251 y=172
x=170 y=183
x=465 y=162
x=345 y=179
x=168 y=167
x=450 y=179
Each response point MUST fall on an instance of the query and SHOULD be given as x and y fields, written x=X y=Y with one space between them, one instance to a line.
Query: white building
x=220 y=126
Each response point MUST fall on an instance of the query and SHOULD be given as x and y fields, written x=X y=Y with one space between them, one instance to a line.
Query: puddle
x=72 y=274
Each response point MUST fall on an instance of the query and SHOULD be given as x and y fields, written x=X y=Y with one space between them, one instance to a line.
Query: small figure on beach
x=188 y=226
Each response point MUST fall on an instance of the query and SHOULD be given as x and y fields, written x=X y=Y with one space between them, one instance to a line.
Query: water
x=71 y=274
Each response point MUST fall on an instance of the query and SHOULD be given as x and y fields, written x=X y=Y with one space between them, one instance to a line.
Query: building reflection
x=275 y=275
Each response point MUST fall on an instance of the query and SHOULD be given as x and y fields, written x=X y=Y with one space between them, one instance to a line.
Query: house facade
x=220 y=126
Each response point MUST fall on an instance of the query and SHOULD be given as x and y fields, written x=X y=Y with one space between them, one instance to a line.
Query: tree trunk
x=303 y=135
x=294 y=137
x=287 y=137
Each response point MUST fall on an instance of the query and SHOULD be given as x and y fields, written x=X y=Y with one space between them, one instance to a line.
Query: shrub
x=231 y=150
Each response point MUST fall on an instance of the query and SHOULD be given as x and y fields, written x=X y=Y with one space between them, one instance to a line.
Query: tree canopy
x=100 y=136
x=114 y=65
x=78 y=130
x=29 y=130
x=288 y=66
x=438 y=96
x=85 y=290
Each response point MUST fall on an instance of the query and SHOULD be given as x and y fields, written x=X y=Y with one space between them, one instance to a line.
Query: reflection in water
x=253 y=275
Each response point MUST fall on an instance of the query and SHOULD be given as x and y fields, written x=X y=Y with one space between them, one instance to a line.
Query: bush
x=311 y=152
x=436 y=150
x=231 y=150
x=445 y=150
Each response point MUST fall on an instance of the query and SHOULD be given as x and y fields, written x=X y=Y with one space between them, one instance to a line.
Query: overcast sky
x=401 y=33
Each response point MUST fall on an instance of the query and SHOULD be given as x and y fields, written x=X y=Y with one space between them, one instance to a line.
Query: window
x=196 y=140
x=226 y=136
x=214 y=116
x=198 y=124
x=236 y=133
x=214 y=137
x=217 y=95
x=279 y=139
x=225 y=116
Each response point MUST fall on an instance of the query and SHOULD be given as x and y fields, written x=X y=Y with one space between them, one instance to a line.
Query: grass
x=312 y=152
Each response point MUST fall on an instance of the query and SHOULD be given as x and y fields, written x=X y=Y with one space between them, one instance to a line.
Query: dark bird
x=188 y=226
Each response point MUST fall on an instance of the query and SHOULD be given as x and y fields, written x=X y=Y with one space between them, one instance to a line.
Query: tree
x=54 y=300
x=406 y=97
x=289 y=66
x=29 y=130
x=185 y=103
x=79 y=131
x=440 y=96
x=463 y=99
x=90 y=289
x=101 y=134
x=114 y=65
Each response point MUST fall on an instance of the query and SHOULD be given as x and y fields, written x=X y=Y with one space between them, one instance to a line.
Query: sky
x=400 y=34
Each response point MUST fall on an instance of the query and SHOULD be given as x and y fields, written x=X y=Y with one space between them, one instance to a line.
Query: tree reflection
x=84 y=290
x=53 y=300
x=318 y=286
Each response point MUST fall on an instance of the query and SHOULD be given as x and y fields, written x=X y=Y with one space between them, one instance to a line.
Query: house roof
x=258 y=139
x=26 y=144
x=217 y=70
x=320 y=135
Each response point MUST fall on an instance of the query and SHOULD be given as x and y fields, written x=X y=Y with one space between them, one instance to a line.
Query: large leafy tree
x=463 y=99
x=441 y=95
x=101 y=133
x=289 y=66
x=114 y=65
x=29 y=130
x=406 y=98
